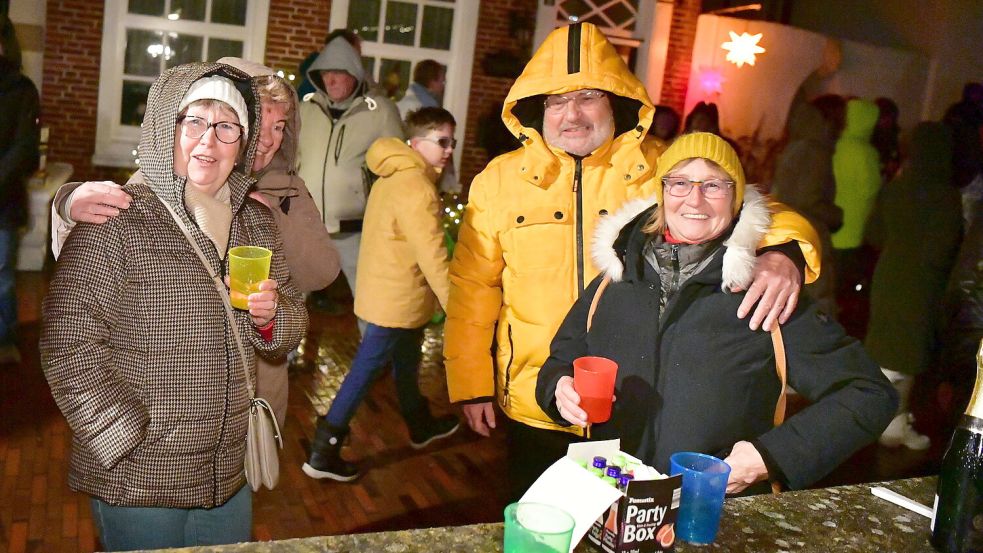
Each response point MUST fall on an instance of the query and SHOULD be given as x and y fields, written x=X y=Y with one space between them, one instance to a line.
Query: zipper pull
x=577 y=174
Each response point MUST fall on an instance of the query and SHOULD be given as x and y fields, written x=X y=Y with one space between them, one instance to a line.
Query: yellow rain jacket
x=402 y=264
x=523 y=255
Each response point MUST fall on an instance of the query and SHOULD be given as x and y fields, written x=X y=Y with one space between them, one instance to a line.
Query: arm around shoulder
x=788 y=226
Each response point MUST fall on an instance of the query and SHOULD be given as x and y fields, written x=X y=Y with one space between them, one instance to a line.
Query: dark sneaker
x=336 y=469
x=438 y=428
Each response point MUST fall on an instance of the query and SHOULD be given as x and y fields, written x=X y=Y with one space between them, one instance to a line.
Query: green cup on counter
x=248 y=266
x=537 y=528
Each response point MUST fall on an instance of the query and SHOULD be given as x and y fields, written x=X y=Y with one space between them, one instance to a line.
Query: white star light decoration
x=741 y=49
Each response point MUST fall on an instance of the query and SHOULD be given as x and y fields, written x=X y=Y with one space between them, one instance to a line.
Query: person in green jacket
x=857 y=172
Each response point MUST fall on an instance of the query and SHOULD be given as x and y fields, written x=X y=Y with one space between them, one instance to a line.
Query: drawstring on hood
x=573 y=58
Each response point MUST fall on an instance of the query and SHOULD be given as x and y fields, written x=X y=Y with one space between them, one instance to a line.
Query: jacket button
x=535 y=177
x=641 y=167
x=523 y=169
x=520 y=219
x=558 y=215
x=602 y=212
x=627 y=177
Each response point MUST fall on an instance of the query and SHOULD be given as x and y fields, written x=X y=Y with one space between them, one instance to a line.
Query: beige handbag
x=780 y=368
x=263 y=438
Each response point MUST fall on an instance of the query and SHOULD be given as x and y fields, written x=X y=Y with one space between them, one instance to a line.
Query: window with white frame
x=397 y=34
x=142 y=38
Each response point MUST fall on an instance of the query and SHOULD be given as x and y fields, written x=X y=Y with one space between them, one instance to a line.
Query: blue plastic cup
x=702 y=498
x=537 y=528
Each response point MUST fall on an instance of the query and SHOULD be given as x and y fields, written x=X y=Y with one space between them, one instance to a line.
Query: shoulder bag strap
x=226 y=301
x=781 y=369
x=597 y=298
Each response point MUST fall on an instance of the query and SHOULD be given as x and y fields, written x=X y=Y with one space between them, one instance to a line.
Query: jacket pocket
x=538 y=238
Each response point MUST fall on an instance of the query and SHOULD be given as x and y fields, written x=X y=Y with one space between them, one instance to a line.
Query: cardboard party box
x=638 y=517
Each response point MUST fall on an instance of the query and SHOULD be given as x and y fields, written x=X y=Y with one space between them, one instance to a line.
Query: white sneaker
x=900 y=432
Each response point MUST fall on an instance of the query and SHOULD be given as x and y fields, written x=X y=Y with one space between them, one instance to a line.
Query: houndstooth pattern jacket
x=136 y=345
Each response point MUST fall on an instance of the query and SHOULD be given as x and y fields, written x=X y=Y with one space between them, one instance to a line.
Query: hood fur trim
x=607 y=231
x=753 y=222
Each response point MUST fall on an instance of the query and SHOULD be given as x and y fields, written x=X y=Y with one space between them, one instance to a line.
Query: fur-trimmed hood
x=612 y=232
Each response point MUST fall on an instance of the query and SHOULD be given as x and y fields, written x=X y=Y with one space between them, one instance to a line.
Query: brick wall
x=72 y=51
x=70 y=89
x=487 y=92
x=296 y=28
x=679 y=54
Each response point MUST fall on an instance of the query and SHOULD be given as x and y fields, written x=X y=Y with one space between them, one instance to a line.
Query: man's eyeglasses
x=584 y=100
x=444 y=142
x=681 y=187
x=196 y=127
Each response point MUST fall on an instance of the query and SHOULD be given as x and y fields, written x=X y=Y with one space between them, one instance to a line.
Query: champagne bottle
x=957 y=521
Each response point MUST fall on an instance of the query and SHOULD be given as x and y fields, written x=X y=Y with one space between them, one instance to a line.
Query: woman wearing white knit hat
x=137 y=346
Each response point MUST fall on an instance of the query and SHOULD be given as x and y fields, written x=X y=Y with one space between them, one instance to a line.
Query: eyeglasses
x=196 y=127
x=713 y=189
x=587 y=99
x=444 y=142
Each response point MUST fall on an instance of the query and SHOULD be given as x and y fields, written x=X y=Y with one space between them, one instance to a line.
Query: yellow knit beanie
x=708 y=146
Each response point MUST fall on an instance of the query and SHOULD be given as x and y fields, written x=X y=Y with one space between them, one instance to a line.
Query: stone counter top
x=846 y=518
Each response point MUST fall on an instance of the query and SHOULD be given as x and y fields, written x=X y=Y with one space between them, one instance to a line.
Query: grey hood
x=157 y=134
x=338 y=55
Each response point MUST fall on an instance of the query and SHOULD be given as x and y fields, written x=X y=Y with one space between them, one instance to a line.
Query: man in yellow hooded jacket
x=522 y=258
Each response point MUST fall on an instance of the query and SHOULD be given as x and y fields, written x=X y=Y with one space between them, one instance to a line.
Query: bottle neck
x=975 y=407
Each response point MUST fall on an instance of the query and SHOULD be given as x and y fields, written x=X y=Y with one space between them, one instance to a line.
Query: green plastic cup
x=248 y=266
x=537 y=528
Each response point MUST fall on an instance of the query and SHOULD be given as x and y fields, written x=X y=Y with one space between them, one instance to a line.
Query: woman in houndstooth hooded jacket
x=136 y=345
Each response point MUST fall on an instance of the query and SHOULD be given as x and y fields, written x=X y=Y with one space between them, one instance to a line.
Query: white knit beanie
x=221 y=89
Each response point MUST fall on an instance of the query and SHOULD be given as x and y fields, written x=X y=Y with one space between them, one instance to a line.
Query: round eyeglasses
x=587 y=99
x=713 y=189
x=225 y=131
x=444 y=142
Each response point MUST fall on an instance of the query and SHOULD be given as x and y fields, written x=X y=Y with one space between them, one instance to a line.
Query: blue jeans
x=8 y=301
x=379 y=346
x=130 y=528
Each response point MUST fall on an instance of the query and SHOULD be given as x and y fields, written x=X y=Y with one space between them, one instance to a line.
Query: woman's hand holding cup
x=262 y=304
x=568 y=402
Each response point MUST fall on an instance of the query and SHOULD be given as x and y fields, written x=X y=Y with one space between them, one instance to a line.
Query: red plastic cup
x=593 y=380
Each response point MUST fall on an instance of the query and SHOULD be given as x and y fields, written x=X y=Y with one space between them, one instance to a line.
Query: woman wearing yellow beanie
x=692 y=376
